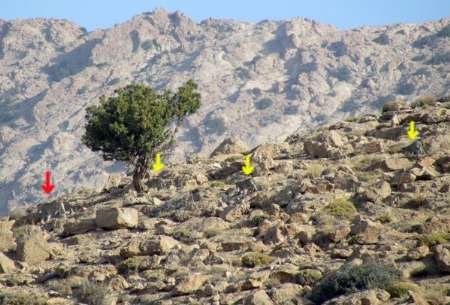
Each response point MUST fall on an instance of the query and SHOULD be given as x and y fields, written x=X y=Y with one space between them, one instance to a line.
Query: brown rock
x=306 y=234
x=159 y=245
x=324 y=145
x=260 y=297
x=419 y=252
x=378 y=191
x=442 y=256
x=116 y=218
x=367 y=297
x=191 y=284
x=230 y=146
x=366 y=231
x=32 y=246
x=7 y=242
x=443 y=164
x=274 y=235
x=394 y=164
x=79 y=227
x=6 y=264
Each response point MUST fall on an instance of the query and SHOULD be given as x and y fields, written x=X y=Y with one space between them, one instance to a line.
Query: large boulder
x=32 y=246
x=116 y=218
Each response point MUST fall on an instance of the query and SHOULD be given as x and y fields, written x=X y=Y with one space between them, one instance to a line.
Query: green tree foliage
x=137 y=122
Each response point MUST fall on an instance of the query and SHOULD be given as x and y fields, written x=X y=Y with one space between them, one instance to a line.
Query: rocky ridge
x=260 y=82
x=343 y=197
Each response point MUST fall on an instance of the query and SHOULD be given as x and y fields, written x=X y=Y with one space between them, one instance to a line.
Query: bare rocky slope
x=355 y=213
x=260 y=82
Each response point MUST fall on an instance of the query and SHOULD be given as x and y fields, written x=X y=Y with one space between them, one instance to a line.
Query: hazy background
x=93 y=14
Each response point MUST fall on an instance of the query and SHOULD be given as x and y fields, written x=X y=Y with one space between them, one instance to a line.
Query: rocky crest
x=260 y=82
x=342 y=197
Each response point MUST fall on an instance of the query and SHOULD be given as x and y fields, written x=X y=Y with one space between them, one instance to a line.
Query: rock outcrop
x=272 y=238
x=259 y=81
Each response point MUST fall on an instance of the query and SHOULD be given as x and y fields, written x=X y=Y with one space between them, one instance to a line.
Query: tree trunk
x=139 y=172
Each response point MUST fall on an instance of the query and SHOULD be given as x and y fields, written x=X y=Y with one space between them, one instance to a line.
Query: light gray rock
x=116 y=218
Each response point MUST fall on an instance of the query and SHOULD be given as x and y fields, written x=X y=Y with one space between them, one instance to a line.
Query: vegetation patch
x=340 y=207
x=308 y=276
x=21 y=298
x=435 y=238
x=401 y=289
x=256 y=259
x=352 y=279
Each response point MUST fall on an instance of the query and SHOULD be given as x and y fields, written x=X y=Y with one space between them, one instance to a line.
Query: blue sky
x=94 y=14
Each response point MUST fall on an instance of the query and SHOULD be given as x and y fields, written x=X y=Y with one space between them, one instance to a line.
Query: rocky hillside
x=260 y=82
x=354 y=213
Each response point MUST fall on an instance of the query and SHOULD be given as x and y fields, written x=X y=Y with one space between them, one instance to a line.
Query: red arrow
x=48 y=187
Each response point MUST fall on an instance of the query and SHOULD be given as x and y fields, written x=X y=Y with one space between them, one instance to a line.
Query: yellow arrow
x=247 y=168
x=412 y=132
x=158 y=165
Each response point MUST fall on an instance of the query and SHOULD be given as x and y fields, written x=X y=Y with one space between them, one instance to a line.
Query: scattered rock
x=116 y=218
x=79 y=227
x=191 y=284
x=260 y=297
x=365 y=230
x=159 y=245
x=368 y=297
x=442 y=255
x=378 y=191
x=7 y=242
x=6 y=264
x=230 y=146
x=32 y=246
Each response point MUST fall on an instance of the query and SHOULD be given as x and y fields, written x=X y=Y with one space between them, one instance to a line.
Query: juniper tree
x=136 y=122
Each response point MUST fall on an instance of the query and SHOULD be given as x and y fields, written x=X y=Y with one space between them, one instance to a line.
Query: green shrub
x=340 y=207
x=132 y=264
x=21 y=298
x=400 y=289
x=308 y=276
x=435 y=238
x=352 y=279
x=219 y=184
x=258 y=219
x=93 y=293
x=255 y=259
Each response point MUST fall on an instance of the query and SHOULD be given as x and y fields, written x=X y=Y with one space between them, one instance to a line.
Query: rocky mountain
x=260 y=82
x=353 y=213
